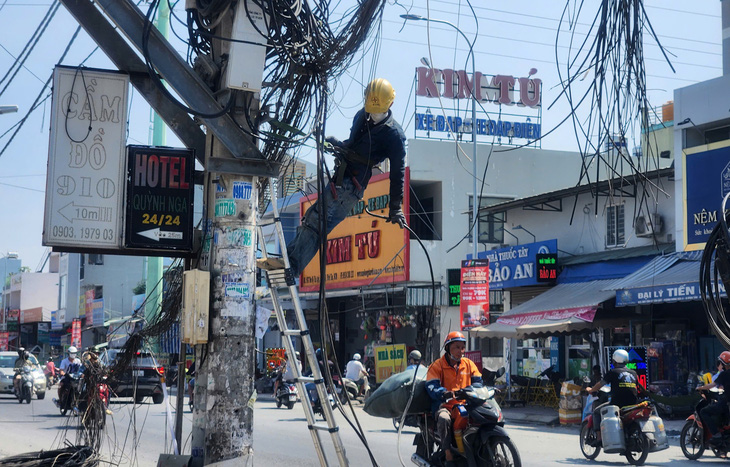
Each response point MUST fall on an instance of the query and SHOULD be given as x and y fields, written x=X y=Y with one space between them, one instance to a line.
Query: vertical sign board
x=3 y=341
x=84 y=187
x=389 y=359
x=97 y=312
x=160 y=193
x=705 y=184
x=547 y=267
x=474 y=306
x=454 y=277
x=476 y=357
x=76 y=333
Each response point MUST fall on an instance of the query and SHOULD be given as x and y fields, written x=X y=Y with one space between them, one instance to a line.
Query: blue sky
x=513 y=38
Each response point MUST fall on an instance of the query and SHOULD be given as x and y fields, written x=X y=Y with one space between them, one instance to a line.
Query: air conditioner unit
x=646 y=226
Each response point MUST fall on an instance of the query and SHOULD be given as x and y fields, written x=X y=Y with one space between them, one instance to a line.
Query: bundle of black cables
x=714 y=268
x=72 y=456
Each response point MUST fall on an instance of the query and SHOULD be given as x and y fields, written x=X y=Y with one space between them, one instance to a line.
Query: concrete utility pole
x=223 y=413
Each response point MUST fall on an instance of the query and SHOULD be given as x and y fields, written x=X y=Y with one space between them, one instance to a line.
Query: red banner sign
x=475 y=356
x=474 y=293
x=76 y=333
x=3 y=341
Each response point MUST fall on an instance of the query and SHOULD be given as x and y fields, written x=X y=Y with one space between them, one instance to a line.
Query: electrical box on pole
x=245 y=68
x=196 y=296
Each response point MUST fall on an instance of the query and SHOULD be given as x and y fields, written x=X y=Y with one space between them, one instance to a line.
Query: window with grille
x=615 y=225
x=491 y=225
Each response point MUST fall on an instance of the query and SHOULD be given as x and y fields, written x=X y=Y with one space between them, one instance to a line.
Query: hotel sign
x=363 y=249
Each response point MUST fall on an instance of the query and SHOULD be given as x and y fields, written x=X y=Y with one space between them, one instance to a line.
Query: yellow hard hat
x=379 y=95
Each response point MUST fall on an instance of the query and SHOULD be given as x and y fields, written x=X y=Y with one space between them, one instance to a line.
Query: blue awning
x=665 y=280
x=602 y=270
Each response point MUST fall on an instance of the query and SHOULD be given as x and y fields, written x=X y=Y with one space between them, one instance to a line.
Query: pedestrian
x=374 y=137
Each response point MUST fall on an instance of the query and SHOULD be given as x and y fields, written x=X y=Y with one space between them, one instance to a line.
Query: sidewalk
x=537 y=415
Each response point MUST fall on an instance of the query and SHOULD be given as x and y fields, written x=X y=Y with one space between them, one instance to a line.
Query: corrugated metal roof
x=678 y=268
x=563 y=296
x=618 y=253
x=651 y=269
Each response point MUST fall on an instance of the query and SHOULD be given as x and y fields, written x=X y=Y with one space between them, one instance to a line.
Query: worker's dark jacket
x=374 y=143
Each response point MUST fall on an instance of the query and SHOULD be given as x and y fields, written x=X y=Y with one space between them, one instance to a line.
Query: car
x=142 y=379
x=7 y=372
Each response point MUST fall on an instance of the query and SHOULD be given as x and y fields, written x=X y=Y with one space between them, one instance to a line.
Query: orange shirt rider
x=447 y=375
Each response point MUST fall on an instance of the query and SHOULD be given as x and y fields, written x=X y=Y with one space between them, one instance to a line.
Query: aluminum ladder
x=279 y=280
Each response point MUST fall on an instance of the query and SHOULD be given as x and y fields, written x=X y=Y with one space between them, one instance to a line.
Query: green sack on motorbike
x=391 y=398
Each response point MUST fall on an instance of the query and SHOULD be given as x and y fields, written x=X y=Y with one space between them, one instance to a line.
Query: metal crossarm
x=280 y=280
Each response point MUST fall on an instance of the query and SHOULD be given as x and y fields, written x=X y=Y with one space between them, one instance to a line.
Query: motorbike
x=633 y=431
x=69 y=397
x=50 y=380
x=485 y=441
x=694 y=439
x=286 y=395
x=25 y=387
x=490 y=376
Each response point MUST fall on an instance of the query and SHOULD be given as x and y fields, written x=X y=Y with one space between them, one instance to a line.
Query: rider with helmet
x=374 y=137
x=445 y=376
x=22 y=360
x=69 y=364
x=713 y=413
x=414 y=359
x=355 y=371
x=624 y=386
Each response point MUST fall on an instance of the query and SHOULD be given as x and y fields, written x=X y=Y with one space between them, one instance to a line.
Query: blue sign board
x=660 y=294
x=707 y=181
x=514 y=266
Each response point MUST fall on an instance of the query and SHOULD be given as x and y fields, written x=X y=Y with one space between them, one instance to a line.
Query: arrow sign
x=157 y=234
x=73 y=211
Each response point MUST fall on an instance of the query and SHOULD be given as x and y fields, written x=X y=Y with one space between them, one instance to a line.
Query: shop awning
x=564 y=308
x=678 y=283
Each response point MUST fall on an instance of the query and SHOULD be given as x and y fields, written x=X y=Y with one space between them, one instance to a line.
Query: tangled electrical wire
x=611 y=56
x=714 y=273
x=71 y=456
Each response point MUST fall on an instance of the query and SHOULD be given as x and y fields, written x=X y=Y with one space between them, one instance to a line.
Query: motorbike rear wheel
x=637 y=446
x=586 y=434
x=290 y=405
x=691 y=440
x=504 y=452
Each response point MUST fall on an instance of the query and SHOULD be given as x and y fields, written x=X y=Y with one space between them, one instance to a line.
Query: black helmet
x=21 y=351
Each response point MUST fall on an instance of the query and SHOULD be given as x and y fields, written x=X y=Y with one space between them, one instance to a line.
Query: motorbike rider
x=355 y=371
x=624 y=386
x=445 y=376
x=69 y=364
x=414 y=359
x=288 y=371
x=22 y=360
x=714 y=413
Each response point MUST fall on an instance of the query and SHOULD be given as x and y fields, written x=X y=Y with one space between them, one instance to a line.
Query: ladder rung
x=295 y=332
x=309 y=379
x=317 y=426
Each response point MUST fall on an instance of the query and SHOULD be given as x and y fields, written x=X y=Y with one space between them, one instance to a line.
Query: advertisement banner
x=86 y=158
x=13 y=320
x=515 y=266
x=97 y=312
x=3 y=341
x=476 y=357
x=274 y=359
x=89 y=296
x=686 y=292
x=389 y=359
x=76 y=333
x=474 y=306
x=363 y=249
x=706 y=182
x=637 y=361
x=43 y=332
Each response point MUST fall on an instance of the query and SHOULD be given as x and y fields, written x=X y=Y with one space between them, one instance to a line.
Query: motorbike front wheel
x=504 y=452
x=587 y=436
x=691 y=440
x=28 y=396
x=637 y=446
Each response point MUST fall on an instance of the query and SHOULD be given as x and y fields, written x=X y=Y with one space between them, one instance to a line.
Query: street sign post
x=159 y=198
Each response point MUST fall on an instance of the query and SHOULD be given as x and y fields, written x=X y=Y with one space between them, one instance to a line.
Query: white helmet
x=72 y=350
x=621 y=356
x=356 y=356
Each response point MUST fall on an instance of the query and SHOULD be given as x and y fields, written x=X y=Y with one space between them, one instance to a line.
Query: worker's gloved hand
x=396 y=217
x=333 y=141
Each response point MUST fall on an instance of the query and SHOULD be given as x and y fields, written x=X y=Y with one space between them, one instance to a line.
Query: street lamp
x=8 y=109
x=476 y=203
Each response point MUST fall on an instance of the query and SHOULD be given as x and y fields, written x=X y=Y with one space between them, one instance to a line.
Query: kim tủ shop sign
x=159 y=198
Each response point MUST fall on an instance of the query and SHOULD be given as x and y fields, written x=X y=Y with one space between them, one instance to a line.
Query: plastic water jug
x=612 y=431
